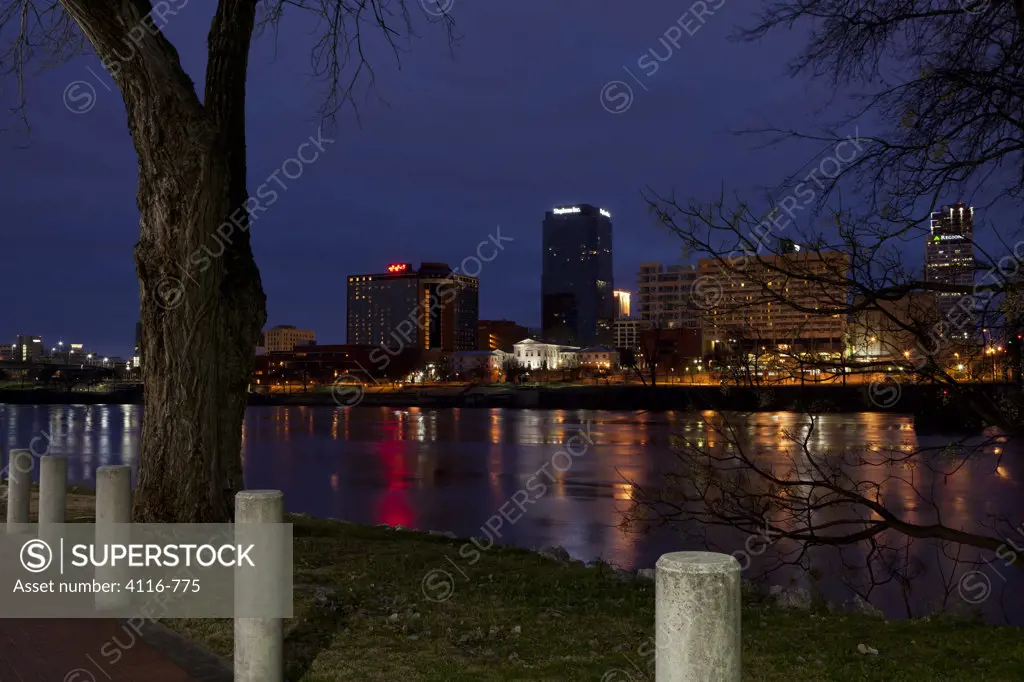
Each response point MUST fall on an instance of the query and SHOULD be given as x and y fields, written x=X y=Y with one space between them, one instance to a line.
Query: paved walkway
x=81 y=650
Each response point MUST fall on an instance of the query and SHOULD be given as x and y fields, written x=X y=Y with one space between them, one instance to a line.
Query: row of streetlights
x=71 y=352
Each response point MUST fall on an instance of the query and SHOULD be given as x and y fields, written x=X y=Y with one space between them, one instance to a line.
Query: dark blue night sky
x=453 y=144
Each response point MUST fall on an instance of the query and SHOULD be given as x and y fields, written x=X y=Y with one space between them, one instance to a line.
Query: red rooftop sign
x=398 y=267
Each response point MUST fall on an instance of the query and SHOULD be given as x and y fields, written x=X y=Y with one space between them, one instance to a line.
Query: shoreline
x=929 y=405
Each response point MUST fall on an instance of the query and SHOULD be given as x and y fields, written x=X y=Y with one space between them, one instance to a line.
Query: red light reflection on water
x=393 y=506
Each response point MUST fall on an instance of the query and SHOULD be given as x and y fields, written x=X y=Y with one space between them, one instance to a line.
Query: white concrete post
x=53 y=489
x=113 y=513
x=259 y=642
x=114 y=494
x=19 y=489
x=697 y=616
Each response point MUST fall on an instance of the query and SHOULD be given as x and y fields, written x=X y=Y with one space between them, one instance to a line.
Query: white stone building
x=538 y=355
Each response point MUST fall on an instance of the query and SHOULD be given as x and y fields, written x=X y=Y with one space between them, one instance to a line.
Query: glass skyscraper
x=949 y=259
x=577 y=287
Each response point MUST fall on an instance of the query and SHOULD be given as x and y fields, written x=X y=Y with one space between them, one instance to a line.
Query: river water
x=495 y=473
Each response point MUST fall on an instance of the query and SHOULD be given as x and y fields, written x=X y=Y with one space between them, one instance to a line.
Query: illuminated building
x=311 y=365
x=577 y=306
x=599 y=357
x=949 y=259
x=499 y=334
x=775 y=299
x=285 y=337
x=621 y=304
x=892 y=330
x=665 y=296
x=539 y=355
x=627 y=330
x=431 y=309
x=29 y=349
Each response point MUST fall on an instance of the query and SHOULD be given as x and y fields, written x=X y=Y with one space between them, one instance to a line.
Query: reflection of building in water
x=282 y=422
x=494 y=472
x=130 y=436
x=496 y=424
x=527 y=428
x=393 y=505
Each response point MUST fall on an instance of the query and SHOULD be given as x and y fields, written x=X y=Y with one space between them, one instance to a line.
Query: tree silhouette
x=203 y=305
x=940 y=87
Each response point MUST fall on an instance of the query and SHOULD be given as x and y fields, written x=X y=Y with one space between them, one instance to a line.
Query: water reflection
x=460 y=469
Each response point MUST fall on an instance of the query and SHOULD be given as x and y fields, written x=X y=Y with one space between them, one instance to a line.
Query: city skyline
x=421 y=177
x=720 y=305
x=426 y=162
x=650 y=276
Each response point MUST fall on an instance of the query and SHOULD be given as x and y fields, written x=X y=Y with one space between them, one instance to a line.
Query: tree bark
x=203 y=305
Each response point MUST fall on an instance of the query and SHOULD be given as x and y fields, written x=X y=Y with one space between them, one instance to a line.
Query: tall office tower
x=622 y=300
x=665 y=296
x=577 y=306
x=949 y=259
x=430 y=309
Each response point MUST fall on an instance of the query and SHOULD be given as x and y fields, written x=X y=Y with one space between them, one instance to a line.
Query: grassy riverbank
x=378 y=605
x=80 y=507
x=514 y=615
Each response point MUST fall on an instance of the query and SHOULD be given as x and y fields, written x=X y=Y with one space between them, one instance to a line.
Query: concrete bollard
x=114 y=494
x=113 y=514
x=697 y=616
x=19 y=489
x=53 y=489
x=259 y=642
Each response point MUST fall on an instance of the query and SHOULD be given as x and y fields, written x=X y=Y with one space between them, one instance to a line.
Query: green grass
x=574 y=623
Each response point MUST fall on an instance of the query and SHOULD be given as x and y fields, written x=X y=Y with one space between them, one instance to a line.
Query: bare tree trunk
x=198 y=360
x=202 y=301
